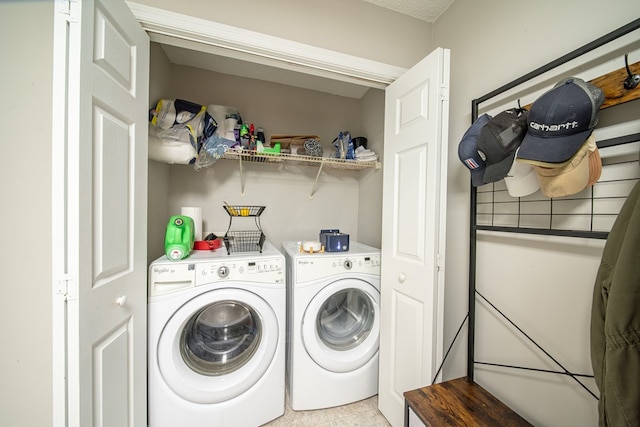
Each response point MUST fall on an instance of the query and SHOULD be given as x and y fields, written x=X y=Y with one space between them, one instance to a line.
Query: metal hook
x=633 y=79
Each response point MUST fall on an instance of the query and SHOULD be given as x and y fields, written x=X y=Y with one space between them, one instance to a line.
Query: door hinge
x=67 y=286
x=444 y=92
x=69 y=8
x=439 y=262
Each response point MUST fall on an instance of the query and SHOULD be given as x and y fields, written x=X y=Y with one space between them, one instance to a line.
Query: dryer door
x=340 y=327
x=218 y=345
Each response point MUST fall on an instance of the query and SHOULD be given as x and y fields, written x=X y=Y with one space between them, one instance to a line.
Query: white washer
x=333 y=325
x=217 y=327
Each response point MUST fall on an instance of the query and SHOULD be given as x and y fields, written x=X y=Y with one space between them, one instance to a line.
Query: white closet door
x=105 y=191
x=413 y=231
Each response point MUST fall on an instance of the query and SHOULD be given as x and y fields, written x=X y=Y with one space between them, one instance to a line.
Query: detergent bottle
x=179 y=237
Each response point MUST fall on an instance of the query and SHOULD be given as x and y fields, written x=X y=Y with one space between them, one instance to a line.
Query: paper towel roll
x=196 y=215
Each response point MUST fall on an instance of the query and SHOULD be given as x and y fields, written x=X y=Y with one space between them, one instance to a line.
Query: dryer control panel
x=260 y=270
x=310 y=268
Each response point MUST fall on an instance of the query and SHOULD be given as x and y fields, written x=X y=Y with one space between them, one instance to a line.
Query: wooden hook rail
x=612 y=85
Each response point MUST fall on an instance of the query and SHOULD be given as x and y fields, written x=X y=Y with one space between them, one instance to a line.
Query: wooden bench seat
x=459 y=402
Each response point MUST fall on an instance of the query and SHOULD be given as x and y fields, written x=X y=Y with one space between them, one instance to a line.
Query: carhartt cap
x=561 y=120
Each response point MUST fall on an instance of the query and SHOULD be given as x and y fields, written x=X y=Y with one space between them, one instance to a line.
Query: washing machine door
x=341 y=325
x=218 y=345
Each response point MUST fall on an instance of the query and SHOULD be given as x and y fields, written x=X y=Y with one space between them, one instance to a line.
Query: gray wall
x=545 y=284
x=158 y=182
x=350 y=26
x=25 y=111
x=370 y=195
x=489 y=48
x=488 y=40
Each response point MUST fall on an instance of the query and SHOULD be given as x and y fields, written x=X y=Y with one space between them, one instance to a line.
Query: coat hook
x=519 y=106
x=633 y=79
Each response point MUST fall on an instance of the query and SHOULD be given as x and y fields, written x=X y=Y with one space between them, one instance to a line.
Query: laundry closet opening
x=299 y=100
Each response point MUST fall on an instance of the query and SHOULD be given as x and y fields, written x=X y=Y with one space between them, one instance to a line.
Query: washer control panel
x=263 y=270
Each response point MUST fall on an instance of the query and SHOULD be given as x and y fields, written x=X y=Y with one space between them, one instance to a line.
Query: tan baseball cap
x=595 y=166
x=571 y=178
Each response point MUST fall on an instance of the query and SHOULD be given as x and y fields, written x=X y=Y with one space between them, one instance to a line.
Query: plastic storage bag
x=176 y=130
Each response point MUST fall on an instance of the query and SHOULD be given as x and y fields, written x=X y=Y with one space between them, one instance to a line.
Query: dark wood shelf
x=460 y=402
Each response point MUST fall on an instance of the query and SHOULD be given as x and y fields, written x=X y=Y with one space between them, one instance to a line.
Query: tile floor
x=364 y=413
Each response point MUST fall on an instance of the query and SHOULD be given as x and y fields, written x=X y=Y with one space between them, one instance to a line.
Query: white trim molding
x=199 y=34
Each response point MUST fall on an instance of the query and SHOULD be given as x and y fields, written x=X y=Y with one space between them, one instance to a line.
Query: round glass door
x=345 y=319
x=218 y=345
x=220 y=338
x=341 y=325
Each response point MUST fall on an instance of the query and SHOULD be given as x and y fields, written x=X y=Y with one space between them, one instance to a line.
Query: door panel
x=107 y=89
x=413 y=224
x=406 y=311
x=112 y=380
x=412 y=106
x=113 y=53
x=112 y=240
x=410 y=182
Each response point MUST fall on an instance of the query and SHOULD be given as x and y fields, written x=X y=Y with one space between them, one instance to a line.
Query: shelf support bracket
x=241 y=176
x=315 y=183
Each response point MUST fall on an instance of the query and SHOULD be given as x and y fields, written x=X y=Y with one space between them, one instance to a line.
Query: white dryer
x=333 y=325
x=217 y=327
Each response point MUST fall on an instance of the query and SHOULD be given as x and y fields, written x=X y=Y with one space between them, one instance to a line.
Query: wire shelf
x=297 y=160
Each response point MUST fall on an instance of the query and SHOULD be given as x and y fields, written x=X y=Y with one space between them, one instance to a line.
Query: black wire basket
x=244 y=241
x=240 y=210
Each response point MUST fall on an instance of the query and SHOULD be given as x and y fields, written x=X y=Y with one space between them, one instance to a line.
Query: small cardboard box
x=286 y=140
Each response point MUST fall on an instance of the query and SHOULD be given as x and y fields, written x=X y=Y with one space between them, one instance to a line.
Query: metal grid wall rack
x=589 y=214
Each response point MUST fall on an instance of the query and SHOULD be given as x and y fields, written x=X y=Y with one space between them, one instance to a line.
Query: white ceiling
x=425 y=10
